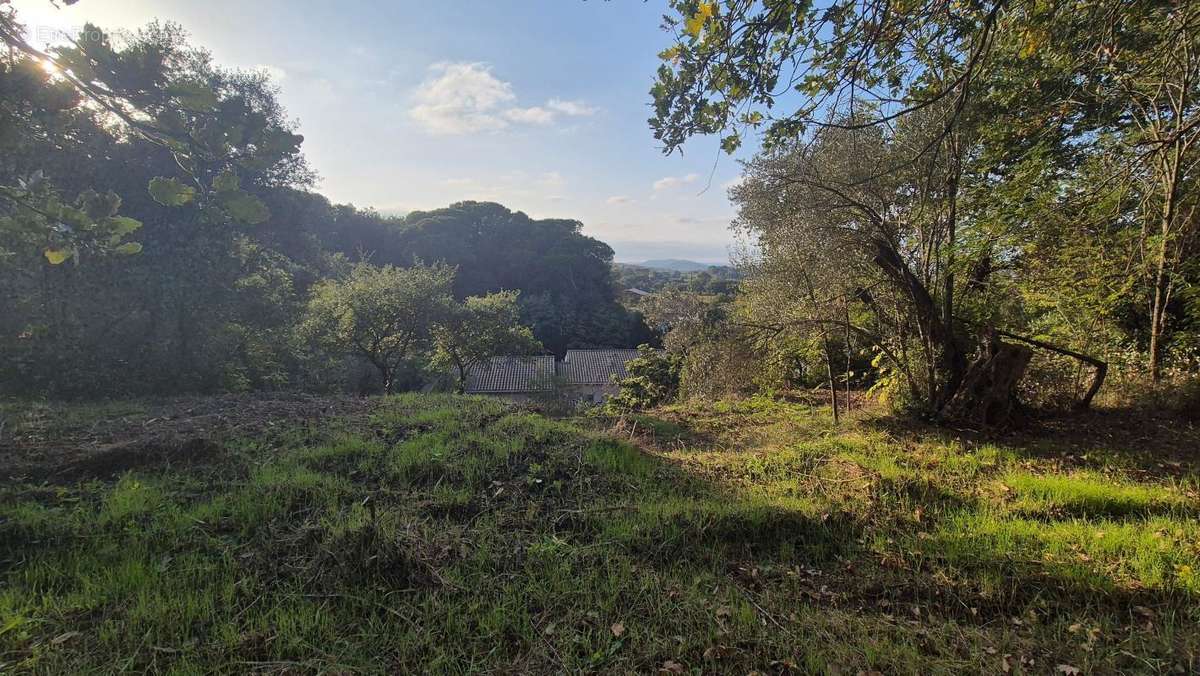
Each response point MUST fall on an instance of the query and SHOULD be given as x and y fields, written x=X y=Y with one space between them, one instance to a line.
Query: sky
x=540 y=105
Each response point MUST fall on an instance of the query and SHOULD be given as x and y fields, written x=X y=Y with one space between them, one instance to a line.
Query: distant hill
x=674 y=264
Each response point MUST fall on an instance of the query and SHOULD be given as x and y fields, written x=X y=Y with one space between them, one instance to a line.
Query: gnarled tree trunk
x=987 y=393
x=948 y=361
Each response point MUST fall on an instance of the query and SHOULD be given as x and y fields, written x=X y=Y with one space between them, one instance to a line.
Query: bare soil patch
x=65 y=443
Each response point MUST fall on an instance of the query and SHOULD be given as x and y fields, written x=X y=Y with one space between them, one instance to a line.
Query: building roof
x=499 y=375
x=594 y=367
x=637 y=292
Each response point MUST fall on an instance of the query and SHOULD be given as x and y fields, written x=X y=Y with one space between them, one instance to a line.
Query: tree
x=989 y=113
x=732 y=61
x=653 y=379
x=222 y=129
x=37 y=220
x=833 y=232
x=1115 y=121
x=1163 y=90
x=382 y=314
x=218 y=278
x=882 y=92
x=564 y=276
x=481 y=327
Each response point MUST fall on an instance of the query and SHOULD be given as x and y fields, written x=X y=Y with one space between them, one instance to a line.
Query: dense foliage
x=652 y=379
x=954 y=189
x=565 y=277
x=158 y=234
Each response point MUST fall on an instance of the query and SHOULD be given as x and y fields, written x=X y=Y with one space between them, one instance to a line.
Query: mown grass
x=460 y=535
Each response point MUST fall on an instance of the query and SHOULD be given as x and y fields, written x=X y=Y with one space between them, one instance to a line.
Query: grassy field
x=450 y=534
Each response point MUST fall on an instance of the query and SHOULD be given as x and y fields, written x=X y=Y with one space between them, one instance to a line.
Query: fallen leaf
x=63 y=638
x=671 y=667
x=714 y=653
x=618 y=630
x=1067 y=669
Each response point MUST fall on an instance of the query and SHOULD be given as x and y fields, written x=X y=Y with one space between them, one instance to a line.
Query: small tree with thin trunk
x=383 y=314
x=482 y=326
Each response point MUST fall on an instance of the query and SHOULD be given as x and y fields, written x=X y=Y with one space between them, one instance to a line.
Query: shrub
x=653 y=379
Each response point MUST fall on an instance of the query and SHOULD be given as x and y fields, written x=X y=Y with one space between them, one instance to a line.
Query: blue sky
x=538 y=104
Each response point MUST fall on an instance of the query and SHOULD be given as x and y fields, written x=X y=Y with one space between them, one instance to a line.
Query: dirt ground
x=64 y=443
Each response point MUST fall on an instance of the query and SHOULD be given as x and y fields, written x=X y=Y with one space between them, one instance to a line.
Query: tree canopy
x=159 y=232
x=930 y=171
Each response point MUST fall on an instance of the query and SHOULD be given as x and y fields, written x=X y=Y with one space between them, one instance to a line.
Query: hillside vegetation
x=453 y=534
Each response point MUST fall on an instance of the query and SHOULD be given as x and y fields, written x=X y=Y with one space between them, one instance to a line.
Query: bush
x=653 y=379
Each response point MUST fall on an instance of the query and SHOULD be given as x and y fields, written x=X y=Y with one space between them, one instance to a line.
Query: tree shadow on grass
x=711 y=526
x=1156 y=444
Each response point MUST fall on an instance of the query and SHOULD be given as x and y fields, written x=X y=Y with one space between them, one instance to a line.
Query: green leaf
x=128 y=249
x=169 y=192
x=119 y=226
x=244 y=207
x=58 y=256
x=74 y=217
x=12 y=623
x=195 y=96
x=226 y=182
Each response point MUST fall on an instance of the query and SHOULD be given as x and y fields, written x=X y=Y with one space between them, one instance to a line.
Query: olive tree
x=478 y=328
x=383 y=314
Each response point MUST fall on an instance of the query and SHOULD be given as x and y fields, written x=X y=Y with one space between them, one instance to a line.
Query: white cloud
x=535 y=115
x=670 y=182
x=467 y=98
x=571 y=108
x=509 y=188
x=619 y=199
x=463 y=98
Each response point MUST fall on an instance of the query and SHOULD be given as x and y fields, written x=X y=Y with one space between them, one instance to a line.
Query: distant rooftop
x=504 y=375
x=594 y=367
x=516 y=375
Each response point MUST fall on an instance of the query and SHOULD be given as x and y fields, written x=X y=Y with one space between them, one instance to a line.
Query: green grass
x=461 y=535
x=1090 y=494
